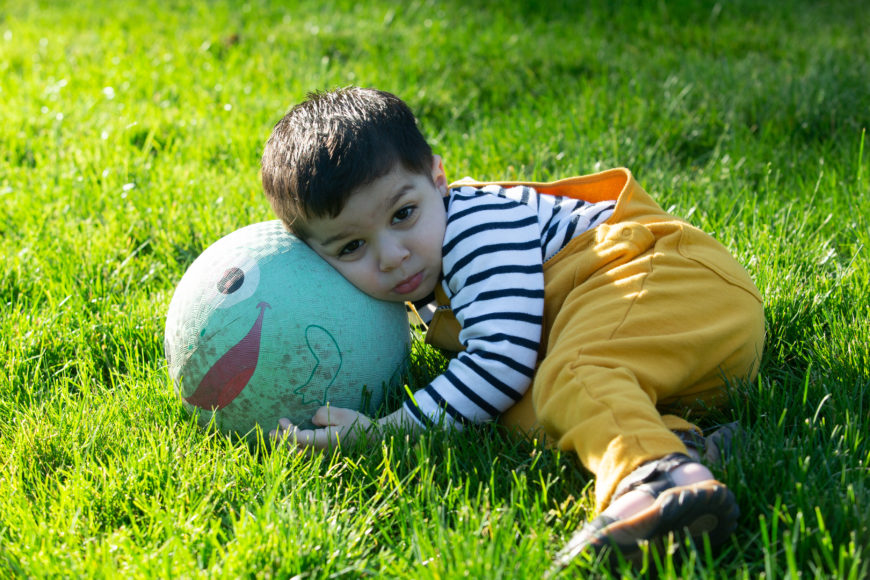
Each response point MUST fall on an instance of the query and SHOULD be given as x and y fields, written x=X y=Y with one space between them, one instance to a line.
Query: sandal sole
x=707 y=508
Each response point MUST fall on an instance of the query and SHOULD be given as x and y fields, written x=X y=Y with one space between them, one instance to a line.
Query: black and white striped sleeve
x=493 y=273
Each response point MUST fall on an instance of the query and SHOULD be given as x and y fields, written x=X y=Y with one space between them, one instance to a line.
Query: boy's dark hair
x=334 y=142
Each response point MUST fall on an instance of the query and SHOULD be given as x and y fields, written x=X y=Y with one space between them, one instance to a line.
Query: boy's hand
x=340 y=426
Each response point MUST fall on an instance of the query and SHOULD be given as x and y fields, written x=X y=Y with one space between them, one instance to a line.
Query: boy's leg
x=664 y=315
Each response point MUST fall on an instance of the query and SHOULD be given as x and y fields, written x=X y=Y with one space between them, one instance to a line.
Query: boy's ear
x=439 y=178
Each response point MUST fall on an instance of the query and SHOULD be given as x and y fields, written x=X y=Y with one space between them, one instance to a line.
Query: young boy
x=580 y=307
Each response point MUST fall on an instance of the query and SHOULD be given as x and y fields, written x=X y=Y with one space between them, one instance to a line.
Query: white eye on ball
x=235 y=282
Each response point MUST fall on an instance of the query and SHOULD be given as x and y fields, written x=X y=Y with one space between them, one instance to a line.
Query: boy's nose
x=393 y=254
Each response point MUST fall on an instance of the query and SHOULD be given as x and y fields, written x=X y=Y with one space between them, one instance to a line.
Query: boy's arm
x=493 y=268
x=493 y=272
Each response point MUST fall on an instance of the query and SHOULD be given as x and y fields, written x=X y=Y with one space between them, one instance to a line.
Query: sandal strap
x=715 y=448
x=652 y=477
x=692 y=440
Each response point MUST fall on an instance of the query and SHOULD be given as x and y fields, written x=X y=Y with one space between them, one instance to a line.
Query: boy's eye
x=403 y=214
x=350 y=247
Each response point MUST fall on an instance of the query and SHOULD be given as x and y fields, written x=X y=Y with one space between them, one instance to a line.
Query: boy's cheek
x=364 y=281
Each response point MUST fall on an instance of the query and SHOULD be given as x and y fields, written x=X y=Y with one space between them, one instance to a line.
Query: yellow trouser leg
x=641 y=315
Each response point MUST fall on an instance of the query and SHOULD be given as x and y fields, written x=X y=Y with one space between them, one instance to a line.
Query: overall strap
x=603 y=186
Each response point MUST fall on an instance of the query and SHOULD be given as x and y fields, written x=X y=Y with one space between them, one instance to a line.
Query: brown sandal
x=704 y=508
x=717 y=447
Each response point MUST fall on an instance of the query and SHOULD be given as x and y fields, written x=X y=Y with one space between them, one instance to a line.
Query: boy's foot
x=673 y=495
x=715 y=448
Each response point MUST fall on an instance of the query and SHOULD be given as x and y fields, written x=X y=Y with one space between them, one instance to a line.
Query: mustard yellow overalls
x=646 y=318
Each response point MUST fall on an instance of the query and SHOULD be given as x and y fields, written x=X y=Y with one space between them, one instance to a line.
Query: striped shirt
x=495 y=245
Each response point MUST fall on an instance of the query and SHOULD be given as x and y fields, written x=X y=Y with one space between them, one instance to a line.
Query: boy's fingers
x=335 y=423
x=307 y=438
x=319 y=438
x=325 y=416
x=289 y=432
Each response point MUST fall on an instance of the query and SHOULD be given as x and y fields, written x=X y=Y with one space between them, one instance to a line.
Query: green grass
x=130 y=140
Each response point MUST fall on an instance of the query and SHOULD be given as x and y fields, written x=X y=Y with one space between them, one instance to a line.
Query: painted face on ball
x=228 y=376
x=258 y=329
x=241 y=300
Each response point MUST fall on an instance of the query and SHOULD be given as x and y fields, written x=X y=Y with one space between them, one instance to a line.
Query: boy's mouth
x=408 y=285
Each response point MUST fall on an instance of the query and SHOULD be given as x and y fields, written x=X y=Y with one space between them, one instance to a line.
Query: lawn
x=130 y=140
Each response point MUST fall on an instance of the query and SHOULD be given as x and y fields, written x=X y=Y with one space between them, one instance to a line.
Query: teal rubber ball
x=260 y=327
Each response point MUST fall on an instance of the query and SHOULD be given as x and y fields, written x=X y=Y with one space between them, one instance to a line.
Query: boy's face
x=387 y=239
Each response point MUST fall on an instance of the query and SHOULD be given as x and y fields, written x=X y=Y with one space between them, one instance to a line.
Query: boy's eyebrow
x=394 y=199
x=335 y=238
x=391 y=201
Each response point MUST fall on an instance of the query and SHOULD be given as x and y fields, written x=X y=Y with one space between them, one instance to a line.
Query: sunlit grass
x=130 y=141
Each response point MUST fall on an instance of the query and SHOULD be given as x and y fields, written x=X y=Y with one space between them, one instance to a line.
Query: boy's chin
x=422 y=293
x=415 y=297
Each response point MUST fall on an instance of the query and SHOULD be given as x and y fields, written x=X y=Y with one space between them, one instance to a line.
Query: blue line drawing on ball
x=333 y=361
